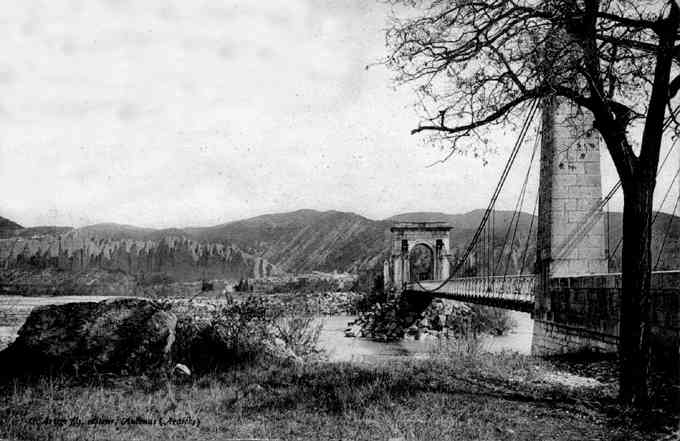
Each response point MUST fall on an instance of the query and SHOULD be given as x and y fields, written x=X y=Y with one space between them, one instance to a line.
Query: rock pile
x=330 y=303
x=384 y=322
x=380 y=323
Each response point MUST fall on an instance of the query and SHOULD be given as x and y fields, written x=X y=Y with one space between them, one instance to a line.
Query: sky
x=163 y=113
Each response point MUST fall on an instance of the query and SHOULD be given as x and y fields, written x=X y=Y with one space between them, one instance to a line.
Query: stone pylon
x=571 y=237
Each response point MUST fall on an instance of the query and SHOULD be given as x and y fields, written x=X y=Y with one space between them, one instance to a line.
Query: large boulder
x=130 y=336
x=121 y=336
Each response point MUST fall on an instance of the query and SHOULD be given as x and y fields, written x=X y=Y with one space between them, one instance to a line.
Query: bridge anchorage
x=563 y=279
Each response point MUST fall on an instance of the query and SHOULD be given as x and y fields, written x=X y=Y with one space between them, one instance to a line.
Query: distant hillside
x=42 y=231
x=465 y=221
x=8 y=228
x=305 y=240
x=665 y=225
x=299 y=241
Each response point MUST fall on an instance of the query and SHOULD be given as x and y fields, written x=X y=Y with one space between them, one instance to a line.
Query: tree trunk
x=636 y=268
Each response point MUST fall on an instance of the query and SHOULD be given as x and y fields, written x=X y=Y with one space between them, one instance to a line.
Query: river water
x=14 y=310
x=341 y=348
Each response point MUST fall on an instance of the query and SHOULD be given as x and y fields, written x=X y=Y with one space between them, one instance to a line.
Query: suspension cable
x=518 y=208
x=499 y=186
x=587 y=223
x=663 y=201
x=665 y=234
x=531 y=225
x=492 y=270
x=611 y=193
x=511 y=159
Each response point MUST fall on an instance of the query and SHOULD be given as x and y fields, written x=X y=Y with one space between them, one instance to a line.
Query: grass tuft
x=491 y=396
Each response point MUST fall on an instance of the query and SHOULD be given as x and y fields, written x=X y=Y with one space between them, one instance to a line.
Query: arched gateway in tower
x=420 y=251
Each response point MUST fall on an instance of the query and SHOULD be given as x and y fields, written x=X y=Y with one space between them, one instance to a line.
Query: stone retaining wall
x=582 y=313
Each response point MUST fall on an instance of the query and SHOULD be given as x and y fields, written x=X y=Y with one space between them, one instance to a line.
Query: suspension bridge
x=557 y=268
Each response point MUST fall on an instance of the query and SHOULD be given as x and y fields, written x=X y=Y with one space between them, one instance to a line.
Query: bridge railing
x=512 y=288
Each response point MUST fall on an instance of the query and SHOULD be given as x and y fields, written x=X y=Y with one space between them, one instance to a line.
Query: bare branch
x=503 y=110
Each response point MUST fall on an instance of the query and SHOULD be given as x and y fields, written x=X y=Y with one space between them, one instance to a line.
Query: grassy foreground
x=485 y=396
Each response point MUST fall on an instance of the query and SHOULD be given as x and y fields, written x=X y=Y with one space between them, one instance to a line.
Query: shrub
x=491 y=320
x=367 y=300
x=210 y=337
x=213 y=337
x=299 y=332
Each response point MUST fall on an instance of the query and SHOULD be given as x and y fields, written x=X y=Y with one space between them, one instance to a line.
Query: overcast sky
x=171 y=113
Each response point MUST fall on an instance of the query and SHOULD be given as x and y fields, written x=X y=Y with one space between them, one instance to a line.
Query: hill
x=8 y=228
x=305 y=240
x=294 y=242
x=665 y=241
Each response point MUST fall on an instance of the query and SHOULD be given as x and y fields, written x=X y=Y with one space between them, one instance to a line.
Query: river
x=15 y=309
x=341 y=348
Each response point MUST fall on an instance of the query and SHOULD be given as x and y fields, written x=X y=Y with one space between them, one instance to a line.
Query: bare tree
x=478 y=64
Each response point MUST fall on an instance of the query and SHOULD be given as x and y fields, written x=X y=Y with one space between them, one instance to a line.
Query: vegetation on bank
x=478 y=396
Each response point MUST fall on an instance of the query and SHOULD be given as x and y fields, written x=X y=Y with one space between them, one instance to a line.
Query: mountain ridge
x=311 y=240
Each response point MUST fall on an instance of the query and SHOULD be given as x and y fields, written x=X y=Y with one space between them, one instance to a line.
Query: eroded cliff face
x=180 y=258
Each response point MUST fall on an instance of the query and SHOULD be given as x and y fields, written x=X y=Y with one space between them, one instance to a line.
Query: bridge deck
x=518 y=292
x=511 y=292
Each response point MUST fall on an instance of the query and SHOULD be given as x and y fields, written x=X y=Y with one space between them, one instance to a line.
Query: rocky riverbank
x=382 y=321
x=138 y=335
x=441 y=318
x=320 y=303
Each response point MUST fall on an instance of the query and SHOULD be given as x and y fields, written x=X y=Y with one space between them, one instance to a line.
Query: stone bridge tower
x=570 y=191
x=406 y=236
x=571 y=235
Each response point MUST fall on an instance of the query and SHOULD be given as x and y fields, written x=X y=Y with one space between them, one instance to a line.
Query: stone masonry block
x=594 y=239
x=568 y=179
x=586 y=204
x=571 y=204
x=590 y=179
x=560 y=191
x=575 y=267
x=592 y=167
x=591 y=253
x=576 y=216
x=573 y=168
x=597 y=266
x=585 y=191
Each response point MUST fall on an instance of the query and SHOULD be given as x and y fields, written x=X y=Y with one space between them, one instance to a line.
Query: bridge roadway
x=510 y=292
x=519 y=292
